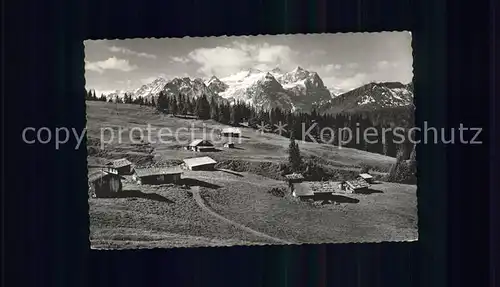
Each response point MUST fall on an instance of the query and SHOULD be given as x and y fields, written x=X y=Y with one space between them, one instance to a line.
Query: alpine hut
x=200 y=145
x=103 y=183
x=158 y=175
x=200 y=163
x=355 y=186
x=231 y=132
x=301 y=190
x=294 y=178
x=122 y=166
x=366 y=177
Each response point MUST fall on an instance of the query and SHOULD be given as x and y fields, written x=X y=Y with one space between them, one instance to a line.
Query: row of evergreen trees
x=325 y=128
x=91 y=96
x=305 y=126
x=127 y=99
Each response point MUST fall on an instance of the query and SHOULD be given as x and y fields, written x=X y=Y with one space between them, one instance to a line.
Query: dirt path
x=197 y=197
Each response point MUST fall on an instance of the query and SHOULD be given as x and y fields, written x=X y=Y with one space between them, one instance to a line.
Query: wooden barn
x=301 y=190
x=200 y=163
x=122 y=166
x=354 y=186
x=366 y=177
x=231 y=132
x=200 y=146
x=294 y=178
x=158 y=175
x=103 y=183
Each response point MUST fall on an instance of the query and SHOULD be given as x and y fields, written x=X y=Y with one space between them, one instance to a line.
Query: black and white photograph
x=251 y=140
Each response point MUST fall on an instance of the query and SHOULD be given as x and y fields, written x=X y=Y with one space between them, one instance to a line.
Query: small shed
x=366 y=177
x=301 y=191
x=104 y=183
x=294 y=178
x=200 y=163
x=356 y=186
x=231 y=132
x=158 y=175
x=229 y=145
x=121 y=166
x=342 y=185
x=200 y=145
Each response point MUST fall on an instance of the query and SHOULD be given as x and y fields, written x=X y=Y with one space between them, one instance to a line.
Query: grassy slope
x=140 y=222
x=253 y=147
x=388 y=215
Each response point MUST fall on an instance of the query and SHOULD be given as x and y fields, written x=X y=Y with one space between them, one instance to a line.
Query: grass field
x=168 y=216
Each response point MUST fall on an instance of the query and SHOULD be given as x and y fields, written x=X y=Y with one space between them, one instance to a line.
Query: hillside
x=232 y=205
x=254 y=147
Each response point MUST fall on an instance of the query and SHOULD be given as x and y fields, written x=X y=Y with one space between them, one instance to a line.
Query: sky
x=344 y=61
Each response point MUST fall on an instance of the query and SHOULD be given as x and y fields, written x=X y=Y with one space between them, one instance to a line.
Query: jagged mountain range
x=372 y=96
x=296 y=90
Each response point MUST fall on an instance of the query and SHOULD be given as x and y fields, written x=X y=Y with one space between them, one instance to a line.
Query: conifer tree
x=294 y=157
x=214 y=112
x=162 y=104
x=181 y=104
x=173 y=105
x=203 y=108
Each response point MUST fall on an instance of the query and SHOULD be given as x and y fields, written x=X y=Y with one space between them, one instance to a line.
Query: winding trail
x=197 y=197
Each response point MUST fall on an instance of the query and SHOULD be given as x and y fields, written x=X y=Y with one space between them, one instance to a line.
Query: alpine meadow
x=251 y=140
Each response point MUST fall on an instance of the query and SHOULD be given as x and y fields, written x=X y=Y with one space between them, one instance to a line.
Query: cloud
x=382 y=65
x=352 y=65
x=328 y=68
x=112 y=63
x=346 y=83
x=316 y=53
x=126 y=51
x=181 y=60
x=225 y=60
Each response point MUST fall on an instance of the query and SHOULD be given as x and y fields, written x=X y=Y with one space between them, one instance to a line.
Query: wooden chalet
x=103 y=183
x=158 y=175
x=354 y=186
x=200 y=163
x=301 y=191
x=231 y=132
x=121 y=166
x=294 y=178
x=366 y=177
x=200 y=146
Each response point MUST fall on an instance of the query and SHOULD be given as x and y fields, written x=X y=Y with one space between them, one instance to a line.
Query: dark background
x=45 y=198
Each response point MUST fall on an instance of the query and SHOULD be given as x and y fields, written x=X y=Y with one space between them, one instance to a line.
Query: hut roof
x=294 y=176
x=99 y=175
x=120 y=163
x=231 y=130
x=199 y=142
x=152 y=171
x=301 y=189
x=357 y=184
x=365 y=175
x=197 y=161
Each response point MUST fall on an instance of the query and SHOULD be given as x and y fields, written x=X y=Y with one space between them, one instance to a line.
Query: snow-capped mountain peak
x=150 y=89
x=216 y=85
x=372 y=96
x=276 y=70
x=297 y=89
